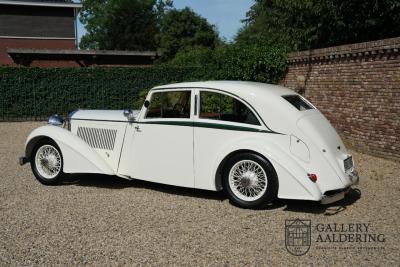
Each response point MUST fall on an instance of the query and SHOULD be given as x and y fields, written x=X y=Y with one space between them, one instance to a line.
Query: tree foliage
x=304 y=24
x=144 y=25
x=183 y=29
x=122 y=24
x=246 y=62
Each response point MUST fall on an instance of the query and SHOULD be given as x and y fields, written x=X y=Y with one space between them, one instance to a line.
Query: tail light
x=313 y=177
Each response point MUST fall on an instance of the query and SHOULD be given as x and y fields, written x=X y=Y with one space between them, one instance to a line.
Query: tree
x=184 y=29
x=243 y=62
x=304 y=24
x=121 y=24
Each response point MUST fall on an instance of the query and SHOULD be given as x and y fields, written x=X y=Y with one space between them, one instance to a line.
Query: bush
x=35 y=93
x=198 y=57
x=260 y=63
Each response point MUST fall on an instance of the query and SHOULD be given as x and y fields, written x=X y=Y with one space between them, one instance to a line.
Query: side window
x=222 y=107
x=172 y=104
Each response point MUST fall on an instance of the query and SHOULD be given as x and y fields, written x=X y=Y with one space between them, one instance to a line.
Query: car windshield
x=298 y=102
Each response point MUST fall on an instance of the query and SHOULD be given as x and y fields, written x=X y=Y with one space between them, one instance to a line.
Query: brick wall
x=357 y=87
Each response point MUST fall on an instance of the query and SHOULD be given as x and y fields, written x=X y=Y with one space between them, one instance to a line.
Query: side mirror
x=146 y=103
x=129 y=114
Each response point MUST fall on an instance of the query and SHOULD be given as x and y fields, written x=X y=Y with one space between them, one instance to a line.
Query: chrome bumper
x=354 y=178
x=333 y=198
x=328 y=199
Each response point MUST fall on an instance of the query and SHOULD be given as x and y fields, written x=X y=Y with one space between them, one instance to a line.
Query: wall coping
x=384 y=46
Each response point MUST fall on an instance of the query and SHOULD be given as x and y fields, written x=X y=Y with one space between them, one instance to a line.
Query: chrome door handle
x=137 y=128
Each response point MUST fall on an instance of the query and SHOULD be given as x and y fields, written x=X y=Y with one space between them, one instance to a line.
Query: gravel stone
x=100 y=220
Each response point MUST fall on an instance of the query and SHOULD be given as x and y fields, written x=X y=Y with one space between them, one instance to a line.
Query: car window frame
x=143 y=114
x=197 y=117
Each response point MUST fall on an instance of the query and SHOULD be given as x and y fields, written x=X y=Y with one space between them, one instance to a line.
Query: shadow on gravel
x=115 y=182
x=328 y=210
x=97 y=180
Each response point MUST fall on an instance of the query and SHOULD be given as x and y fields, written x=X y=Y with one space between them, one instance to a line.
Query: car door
x=221 y=120
x=162 y=144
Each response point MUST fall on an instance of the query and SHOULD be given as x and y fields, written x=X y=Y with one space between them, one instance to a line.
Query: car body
x=187 y=133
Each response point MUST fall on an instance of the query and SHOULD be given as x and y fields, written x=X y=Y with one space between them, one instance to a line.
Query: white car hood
x=101 y=115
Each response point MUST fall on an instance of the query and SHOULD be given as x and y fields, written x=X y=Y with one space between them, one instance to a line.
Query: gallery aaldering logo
x=333 y=236
x=298 y=236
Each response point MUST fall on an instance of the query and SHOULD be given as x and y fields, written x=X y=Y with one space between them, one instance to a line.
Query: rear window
x=297 y=102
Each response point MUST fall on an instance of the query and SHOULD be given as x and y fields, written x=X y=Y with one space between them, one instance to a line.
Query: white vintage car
x=254 y=141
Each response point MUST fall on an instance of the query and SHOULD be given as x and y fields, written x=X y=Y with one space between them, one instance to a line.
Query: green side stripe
x=195 y=124
x=177 y=123
x=208 y=125
x=227 y=127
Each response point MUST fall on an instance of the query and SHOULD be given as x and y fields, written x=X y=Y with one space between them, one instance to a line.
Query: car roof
x=239 y=88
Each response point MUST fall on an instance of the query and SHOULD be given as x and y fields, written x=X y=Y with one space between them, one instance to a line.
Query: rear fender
x=293 y=181
x=78 y=156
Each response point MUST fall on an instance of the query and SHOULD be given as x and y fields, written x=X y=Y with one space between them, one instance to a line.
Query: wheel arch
x=78 y=156
x=30 y=145
x=289 y=173
x=220 y=168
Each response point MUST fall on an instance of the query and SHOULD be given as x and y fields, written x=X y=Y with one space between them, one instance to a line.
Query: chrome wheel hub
x=248 y=180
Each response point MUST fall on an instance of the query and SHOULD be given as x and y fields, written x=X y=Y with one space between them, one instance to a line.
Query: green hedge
x=36 y=93
x=257 y=62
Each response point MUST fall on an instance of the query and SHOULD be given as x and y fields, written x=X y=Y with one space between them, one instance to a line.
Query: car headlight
x=56 y=120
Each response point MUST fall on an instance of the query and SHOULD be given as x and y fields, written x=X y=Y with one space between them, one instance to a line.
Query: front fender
x=78 y=156
x=292 y=178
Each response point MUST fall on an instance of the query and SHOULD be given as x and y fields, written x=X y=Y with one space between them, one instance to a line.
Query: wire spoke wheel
x=48 y=161
x=248 y=180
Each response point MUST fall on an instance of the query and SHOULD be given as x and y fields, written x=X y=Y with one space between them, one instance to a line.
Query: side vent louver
x=98 y=137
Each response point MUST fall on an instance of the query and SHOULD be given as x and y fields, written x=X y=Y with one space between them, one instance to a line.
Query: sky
x=226 y=15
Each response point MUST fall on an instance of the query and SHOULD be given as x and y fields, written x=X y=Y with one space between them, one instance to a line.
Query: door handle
x=137 y=128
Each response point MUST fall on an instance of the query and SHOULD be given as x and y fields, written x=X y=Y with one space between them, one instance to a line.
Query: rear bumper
x=23 y=160
x=331 y=198
x=339 y=194
x=354 y=178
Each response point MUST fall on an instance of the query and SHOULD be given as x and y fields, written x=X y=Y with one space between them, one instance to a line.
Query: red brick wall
x=357 y=87
x=5 y=43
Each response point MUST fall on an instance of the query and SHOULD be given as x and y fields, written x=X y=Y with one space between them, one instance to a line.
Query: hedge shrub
x=256 y=62
x=36 y=93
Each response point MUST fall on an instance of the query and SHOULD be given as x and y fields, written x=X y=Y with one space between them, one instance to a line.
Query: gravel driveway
x=101 y=220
